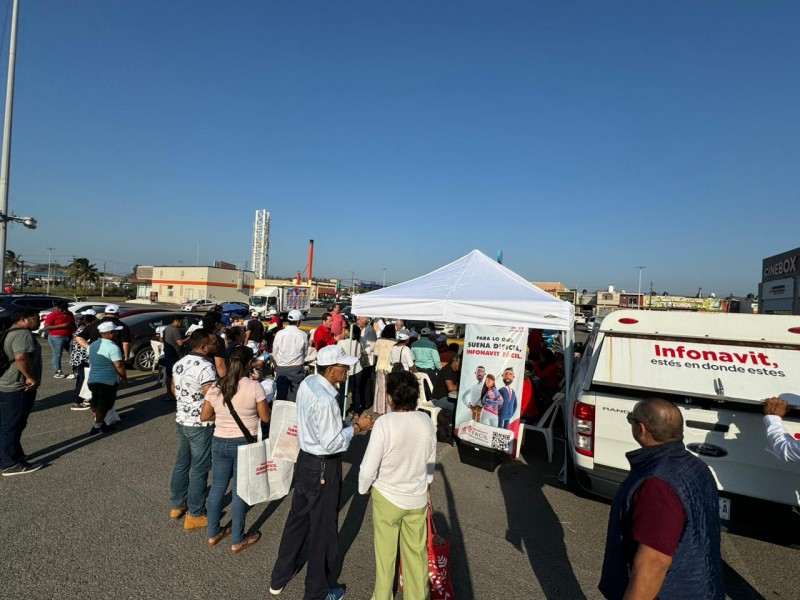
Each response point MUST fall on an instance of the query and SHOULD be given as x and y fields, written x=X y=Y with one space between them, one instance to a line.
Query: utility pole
x=353 y=284
x=22 y=277
x=103 y=284
x=6 y=156
x=384 y=276
x=197 y=260
x=49 y=254
x=639 y=302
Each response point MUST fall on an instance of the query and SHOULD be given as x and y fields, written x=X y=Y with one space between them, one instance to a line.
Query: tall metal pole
x=49 y=254
x=6 y=156
x=639 y=298
x=197 y=260
x=384 y=276
x=103 y=284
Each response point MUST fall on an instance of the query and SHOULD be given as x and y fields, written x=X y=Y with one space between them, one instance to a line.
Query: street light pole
x=353 y=284
x=49 y=254
x=639 y=297
x=6 y=152
x=384 y=276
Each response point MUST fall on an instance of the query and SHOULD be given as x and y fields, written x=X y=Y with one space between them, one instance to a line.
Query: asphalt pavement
x=93 y=523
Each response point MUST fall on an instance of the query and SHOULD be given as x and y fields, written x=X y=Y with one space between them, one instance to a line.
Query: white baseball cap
x=89 y=311
x=335 y=355
x=296 y=315
x=272 y=311
x=107 y=326
x=403 y=334
x=112 y=309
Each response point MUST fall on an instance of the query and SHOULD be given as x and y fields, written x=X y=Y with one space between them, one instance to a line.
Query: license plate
x=725 y=509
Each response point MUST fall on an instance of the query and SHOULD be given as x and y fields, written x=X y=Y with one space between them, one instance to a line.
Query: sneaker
x=102 y=429
x=22 y=468
x=79 y=406
x=336 y=593
x=59 y=375
x=71 y=376
x=277 y=591
x=86 y=404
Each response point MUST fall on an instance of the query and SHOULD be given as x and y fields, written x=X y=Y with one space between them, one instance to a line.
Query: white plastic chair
x=546 y=422
x=422 y=402
x=158 y=349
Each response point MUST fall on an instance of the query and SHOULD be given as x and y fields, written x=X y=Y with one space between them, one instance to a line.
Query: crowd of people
x=663 y=533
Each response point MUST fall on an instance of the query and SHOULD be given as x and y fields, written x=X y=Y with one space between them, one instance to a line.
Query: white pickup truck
x=718 y=369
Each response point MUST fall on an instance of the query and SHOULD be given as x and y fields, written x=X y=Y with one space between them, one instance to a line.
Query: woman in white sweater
x=398 y=465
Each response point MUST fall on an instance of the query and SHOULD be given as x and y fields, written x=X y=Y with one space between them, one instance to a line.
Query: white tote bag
x=252 y=480
x=283 y=431
x=281 y=473
x=85 y=392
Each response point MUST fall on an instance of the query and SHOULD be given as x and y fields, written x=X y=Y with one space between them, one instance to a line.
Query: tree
x=12 y=261
x=83 y=272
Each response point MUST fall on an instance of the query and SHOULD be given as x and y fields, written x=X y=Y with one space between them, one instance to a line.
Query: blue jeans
x=14 y=410
x=224 y=452
x=58 y=344
x=189 y=483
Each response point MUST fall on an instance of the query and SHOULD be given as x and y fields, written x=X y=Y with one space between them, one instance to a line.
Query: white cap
x=272 y=311
x=89 y=311
x=296 y=315
x=112 y=309
x=335 y=355
x=403 y=334
x=107 y=326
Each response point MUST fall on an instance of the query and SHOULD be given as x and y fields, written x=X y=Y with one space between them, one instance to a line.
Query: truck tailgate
x=733 y=444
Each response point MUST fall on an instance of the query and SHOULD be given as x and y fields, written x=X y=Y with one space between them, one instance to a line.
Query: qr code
x=499 y=442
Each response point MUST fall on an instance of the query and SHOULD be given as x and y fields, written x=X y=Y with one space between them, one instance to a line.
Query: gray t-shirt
x=20 y=341
x=171 y=336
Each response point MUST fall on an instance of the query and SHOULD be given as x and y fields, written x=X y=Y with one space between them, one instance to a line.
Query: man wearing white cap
x=317 y=477
x=289 y=352
x=107 y=370
x=123 y=338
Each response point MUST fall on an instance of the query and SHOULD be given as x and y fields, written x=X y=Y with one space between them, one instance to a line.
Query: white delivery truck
x=282 y=298
x=717 y=368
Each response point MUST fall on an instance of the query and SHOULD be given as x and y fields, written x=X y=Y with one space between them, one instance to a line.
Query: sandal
x=250 y=540
x=219 y=537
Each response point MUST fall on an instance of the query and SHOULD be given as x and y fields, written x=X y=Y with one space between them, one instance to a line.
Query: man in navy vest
x=663 y=531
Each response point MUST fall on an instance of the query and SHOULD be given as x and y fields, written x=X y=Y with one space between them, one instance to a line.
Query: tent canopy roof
x=473 y=289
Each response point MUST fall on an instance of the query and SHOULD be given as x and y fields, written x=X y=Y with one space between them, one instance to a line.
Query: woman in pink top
x=247 y=399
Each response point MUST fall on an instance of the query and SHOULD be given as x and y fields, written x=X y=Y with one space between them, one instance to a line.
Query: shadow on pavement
x=533 y=525
x=460 y=573
x=133 y=415
x=736 y=586
x=358 y=505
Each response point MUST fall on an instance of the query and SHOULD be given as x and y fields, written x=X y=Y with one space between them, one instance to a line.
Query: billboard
x=685 y=303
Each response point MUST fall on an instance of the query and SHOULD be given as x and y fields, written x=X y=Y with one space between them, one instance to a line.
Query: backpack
x=5 y=359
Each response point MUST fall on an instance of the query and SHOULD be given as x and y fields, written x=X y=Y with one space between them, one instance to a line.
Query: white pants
x=488 y=418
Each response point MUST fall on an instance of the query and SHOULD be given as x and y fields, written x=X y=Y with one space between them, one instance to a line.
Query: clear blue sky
x=581 y=138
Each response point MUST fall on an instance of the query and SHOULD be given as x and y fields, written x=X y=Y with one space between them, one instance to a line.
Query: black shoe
x=95 y=430
x=22 y=468
x=107 y=428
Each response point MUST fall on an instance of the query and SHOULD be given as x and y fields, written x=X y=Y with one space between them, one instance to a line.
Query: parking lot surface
x=93 y=522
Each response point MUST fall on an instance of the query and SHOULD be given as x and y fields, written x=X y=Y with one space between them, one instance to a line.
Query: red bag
x=438 y=562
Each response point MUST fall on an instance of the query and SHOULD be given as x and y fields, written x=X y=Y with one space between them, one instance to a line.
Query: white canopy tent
x=473 y=289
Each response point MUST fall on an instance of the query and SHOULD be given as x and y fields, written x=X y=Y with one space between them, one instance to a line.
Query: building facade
x=174 y=285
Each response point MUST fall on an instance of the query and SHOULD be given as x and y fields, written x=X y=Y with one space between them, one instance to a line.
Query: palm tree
x=83 y=272
x=12 y=261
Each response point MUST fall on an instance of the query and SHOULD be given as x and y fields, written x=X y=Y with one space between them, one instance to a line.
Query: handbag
x=284 y=444
x=252 y=480
x=438 y=561
x=364 y=359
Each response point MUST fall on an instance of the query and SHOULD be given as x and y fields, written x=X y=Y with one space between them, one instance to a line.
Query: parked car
x=10 y=303
x=456 y=330
x=591 y=321
x=418 y=326
x=317 y=303
x=201 y=305
x=79 y=308
x=143 y=328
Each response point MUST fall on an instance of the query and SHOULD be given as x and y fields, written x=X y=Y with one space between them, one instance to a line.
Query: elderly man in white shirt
x=289 y=351
x=317 y=477
x=784 y=445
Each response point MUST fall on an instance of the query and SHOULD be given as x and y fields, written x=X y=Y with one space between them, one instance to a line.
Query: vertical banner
x=490 y=390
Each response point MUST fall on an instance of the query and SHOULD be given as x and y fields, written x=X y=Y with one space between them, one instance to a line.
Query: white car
x=591 y=322
x=76 y=308
x=198 y=305
x=455 y=330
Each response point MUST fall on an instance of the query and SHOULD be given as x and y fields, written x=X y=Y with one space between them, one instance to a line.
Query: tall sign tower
x=261 y=244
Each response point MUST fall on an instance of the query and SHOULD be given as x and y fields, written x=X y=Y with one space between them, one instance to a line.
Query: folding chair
x=423 y=403
x=546 y=422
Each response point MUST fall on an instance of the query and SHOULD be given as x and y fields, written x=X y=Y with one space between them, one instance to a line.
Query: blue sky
x=581 y=138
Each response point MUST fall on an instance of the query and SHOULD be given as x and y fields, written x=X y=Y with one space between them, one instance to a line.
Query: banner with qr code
x=490 y=390
x=486 y=436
